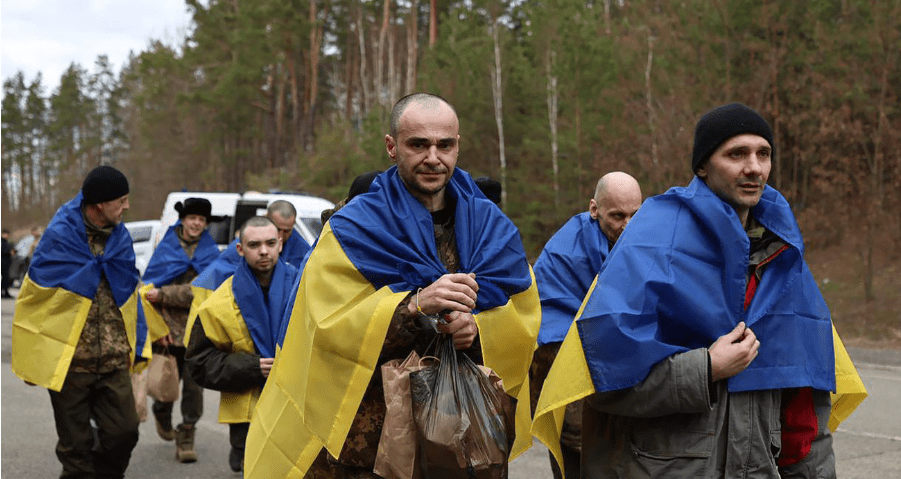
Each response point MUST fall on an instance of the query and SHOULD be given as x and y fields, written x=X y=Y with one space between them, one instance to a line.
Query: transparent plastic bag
x=464 y=419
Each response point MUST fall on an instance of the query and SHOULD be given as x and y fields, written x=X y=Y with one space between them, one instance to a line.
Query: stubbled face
x=193 y=226
x=260 y=246
x=738 y=170
x=285 y=226
x=425 y=150
x=111 y=211
x=615 y=209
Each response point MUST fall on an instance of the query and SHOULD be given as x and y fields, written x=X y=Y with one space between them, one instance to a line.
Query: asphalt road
x=867 y=445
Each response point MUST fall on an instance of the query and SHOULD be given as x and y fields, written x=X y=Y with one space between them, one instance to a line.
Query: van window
x=313 y=224
x=219 y=230
x=140 y=233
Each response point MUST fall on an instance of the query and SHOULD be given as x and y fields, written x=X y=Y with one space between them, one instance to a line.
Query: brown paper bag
x=162 y=378
x=139 y=387
x=396 y=456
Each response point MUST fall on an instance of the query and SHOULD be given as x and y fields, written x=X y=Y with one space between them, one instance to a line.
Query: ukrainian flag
x=371 y=255
x=209 y=280
x=56 y=295
x=168 y=262
x=676 y=281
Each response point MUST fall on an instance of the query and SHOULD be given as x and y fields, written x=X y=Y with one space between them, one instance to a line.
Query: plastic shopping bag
x=464 y=419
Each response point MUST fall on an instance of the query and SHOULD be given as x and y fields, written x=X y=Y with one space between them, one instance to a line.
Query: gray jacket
x=673 y=425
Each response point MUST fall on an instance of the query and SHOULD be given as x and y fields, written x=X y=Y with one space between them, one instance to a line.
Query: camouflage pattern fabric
x=103 y=345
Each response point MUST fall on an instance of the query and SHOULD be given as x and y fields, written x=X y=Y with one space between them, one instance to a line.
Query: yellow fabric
x=156 y=324
x=849 y=389
x=570 y=380
x=47 y=324
x=337 y=329
x=567 y=381
x=225 y=328
x=200 y=295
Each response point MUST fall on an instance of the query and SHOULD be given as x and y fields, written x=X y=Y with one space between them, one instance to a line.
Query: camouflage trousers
x=108 y=400
x=324 y=467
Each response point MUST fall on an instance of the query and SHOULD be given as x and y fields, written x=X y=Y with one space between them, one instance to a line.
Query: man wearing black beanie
x=708 y=343
x=74 y=327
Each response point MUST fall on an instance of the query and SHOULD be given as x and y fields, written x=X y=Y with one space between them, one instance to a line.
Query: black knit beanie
x=722 y=123
x=103 y=184
x=194 y=206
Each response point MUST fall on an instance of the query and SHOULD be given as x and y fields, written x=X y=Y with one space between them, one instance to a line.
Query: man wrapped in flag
x=564 y=272
x=74 y=328
x=705 y=348
x=283 y=214
x=233 y=341
x=184 y=252
x=422 y=241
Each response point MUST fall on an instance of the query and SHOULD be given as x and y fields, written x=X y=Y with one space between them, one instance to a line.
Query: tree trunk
x=652 y=127
x=433 y=23
x=412 y=47
x=496 y=94
x=551 y=60
x=366 y=102
x=380 y=80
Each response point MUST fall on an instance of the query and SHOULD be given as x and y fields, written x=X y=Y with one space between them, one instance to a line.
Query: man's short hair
x=284 y=209
x=404 y=102
x=254 y=221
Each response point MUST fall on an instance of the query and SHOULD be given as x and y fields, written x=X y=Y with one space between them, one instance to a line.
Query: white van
x=142 y=236
x=230 y=210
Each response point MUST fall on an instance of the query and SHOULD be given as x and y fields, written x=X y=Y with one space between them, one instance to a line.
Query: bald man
x=564 y=272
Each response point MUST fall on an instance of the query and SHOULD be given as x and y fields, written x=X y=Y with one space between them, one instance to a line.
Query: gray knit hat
x=103 y=184
x=722 y=123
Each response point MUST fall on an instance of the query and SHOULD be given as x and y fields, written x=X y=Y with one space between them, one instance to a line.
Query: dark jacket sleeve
x=220 y=370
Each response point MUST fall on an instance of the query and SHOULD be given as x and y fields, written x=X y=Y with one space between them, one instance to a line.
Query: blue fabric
x=63 y=258
x=295 y=249
x=676 y=282
x=170 y=261
x=389 y=237
x=564 y=271
x=263 y=314
x=219 y=270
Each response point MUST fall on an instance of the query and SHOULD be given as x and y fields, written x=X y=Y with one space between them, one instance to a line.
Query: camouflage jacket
x=176 y=297
x=103 y=345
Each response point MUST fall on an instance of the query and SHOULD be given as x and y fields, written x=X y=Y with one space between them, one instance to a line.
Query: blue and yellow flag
x=210 y=279
x=263 y=314
x=57 y=293
x=294 y=249
x=169 y=261
x=370 y=256
x=565 y=270
x=676 y=282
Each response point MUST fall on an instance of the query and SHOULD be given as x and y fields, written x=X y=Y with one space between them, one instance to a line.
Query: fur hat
x=194 y=206
x=103 y=184
x=722 y=123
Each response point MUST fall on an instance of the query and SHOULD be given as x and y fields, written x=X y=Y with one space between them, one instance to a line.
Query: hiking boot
x=236 y=459
x=184 y=443
x=164 y=426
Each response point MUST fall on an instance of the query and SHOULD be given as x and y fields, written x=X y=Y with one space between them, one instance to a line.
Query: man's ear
x=593 y=209
x=391 y=147
x=240 y=248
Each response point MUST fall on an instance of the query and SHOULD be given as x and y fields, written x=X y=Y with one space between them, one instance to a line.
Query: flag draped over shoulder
x=57 y=293
x=565 y=269
x=168 y=262
x=370 y=256
x=209 y=280
x=676 y=282
x=263 y=314
x=294 y=249
x=169 y=259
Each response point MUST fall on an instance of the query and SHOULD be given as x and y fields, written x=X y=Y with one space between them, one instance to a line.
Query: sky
x=48 y=35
